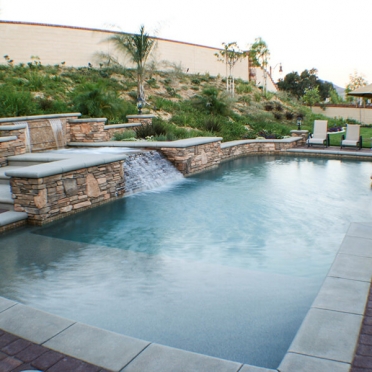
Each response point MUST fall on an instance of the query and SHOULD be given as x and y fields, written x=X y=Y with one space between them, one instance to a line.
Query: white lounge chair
x=353 y=137
x=320 y=136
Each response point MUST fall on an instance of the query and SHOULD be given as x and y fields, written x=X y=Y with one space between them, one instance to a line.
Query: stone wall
x=95 y=130
x=253 y=147
x=111 y=130
x=12 y=143
x=40 y=130
x=194 y=159
x=48 y=198
x=88 y=130
x=143 y=119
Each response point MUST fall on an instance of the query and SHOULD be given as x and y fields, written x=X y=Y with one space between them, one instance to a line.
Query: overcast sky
x=331 y=35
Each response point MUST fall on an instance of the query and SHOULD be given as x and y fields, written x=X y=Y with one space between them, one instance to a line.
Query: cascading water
x=57 y=128
x=27 y=136
x=148 y=170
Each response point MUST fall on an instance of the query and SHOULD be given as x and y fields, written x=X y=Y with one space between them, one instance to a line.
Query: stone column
x=143 y=119
x=304 y=134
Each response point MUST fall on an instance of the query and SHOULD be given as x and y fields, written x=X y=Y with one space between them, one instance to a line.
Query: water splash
x=148 y=170
x=27 y=135
x=57 y=128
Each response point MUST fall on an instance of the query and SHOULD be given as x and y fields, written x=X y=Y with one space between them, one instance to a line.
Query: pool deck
x=326 y=341
x=335 y=336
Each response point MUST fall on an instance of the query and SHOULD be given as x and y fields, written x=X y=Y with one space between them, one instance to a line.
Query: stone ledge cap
x=87 y=120
x=147 y=116
x=13 y=127
x=38 y=117
x=8 y=138
x=113 y=126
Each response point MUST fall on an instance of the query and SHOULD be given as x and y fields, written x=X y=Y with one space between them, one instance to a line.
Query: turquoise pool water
x=225 y=263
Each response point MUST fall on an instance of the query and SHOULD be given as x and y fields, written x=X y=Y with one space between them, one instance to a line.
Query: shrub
x=242 y=88
x=94 y=100
x=289 y=115
x=212 y=125
x=16 y=103
x=268 y=107
x=213 y=101
x=257 y=97
x=125 y=136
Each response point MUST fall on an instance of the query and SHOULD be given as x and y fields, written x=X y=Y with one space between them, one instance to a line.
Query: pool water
x=224 y=263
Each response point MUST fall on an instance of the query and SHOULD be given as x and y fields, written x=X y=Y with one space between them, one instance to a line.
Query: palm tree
x=138 y=47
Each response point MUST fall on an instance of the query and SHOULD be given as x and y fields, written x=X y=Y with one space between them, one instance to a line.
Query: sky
x=332 y=36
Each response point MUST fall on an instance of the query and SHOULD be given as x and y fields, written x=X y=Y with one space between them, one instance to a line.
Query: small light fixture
x=139 y=105
x=280 y=67
x=299 y=122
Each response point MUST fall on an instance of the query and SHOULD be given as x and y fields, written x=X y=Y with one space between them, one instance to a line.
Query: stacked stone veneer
x=48 y=198
x=194 y=159
x=96 y=130
x=243 y=148
x=88 y=130
x=143 y=119
x=12 y=142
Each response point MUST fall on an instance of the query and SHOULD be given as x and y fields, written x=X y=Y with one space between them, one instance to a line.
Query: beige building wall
x=363 y=115
x=80 y=46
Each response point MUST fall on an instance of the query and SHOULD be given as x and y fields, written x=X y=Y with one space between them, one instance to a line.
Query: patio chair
x=353 y=137
x=320 y=136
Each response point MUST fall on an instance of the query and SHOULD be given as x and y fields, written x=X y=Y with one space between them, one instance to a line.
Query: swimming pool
x=224 y=263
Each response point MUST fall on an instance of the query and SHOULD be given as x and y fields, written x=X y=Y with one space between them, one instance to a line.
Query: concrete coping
x=59 y=163
x=328 y=336
x=331 y=152
x=189 y=142
x=299 y=131
x=145 y=116
x=87 y=120
x=8 y=138
x=244 y=142
x=38 y=117
x=114 y=126
x=13 y=127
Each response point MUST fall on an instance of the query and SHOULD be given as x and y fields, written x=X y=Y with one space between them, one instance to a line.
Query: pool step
x=10 y=217
x=22 y=163
x=6 y=200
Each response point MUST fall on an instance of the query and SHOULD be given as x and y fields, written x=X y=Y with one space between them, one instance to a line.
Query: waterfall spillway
x=57 y=129
x=148 y=170
x=27 y=136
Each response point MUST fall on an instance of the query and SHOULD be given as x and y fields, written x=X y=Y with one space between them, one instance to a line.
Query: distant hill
x=340 y=91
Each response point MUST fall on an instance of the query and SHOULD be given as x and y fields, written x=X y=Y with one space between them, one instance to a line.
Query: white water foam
x=147 y=171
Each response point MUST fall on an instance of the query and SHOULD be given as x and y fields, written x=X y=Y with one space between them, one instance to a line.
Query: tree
x=311 y=96
x=297 y=84
x=229 y=55
x=259 y=55
x=138 y=47
x=356 y=81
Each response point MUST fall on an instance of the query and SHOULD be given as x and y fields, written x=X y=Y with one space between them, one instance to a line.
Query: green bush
x=125 y=136
x=95 y=100
x=17 y=103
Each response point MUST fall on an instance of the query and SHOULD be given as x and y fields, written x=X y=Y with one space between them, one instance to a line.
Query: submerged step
x=6 y=200
x=6 y=218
